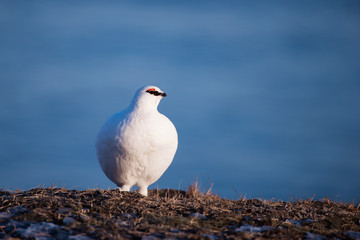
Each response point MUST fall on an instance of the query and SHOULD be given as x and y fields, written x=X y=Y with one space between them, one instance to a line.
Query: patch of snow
x=253 y=229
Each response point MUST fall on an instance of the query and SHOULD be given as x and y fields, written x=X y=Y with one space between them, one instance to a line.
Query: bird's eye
x=152 y=91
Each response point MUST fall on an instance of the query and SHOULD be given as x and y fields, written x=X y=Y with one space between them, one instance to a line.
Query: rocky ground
x=59 y=213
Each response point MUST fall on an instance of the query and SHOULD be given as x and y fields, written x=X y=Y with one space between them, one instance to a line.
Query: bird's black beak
x=163 y=94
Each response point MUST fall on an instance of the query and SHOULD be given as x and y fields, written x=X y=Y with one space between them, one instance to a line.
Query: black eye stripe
x=156 y=93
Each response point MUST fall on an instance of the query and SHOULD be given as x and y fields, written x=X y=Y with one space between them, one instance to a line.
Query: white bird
x=136 y=146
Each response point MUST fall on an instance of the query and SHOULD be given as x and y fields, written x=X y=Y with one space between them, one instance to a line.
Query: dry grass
x=168 y=213
x=194 y=191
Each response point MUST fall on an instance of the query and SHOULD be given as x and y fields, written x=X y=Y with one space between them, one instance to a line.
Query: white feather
x=138 y=144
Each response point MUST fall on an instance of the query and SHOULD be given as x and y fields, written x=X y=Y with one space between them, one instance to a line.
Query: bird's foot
x=143 y=190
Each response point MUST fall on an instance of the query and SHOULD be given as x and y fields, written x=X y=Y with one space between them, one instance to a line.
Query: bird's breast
x=149 y=133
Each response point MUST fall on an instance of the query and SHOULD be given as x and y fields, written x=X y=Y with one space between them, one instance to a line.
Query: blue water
x=265 y=95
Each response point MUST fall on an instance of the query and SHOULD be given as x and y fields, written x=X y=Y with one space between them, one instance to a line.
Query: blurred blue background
x=265 y=94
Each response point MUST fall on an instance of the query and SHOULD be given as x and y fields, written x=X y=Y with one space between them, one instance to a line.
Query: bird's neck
x=143 y=107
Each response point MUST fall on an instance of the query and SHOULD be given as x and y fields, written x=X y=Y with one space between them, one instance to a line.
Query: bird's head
x=148 y=97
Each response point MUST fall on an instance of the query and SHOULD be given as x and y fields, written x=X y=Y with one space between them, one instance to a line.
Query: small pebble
x=36 y=230
x=253 y=229
x=313 y=236
x=17 y=210
x=149 y=237
x=291 y=221
x=197 y=215
x=308 y=220
x=79 y=237
x=64 y=210
x=5 y=215
x=209 y=236
x=353 y=234
x=84 y=217
x=69 y=220
x=128 y=215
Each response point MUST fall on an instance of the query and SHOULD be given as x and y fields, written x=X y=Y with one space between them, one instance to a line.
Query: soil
x=59 y=213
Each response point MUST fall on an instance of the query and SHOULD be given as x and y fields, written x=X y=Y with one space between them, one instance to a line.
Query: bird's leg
x=143 y=190
x=124 y=188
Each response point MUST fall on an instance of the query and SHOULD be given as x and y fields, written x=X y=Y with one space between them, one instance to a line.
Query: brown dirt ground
x=59 y=213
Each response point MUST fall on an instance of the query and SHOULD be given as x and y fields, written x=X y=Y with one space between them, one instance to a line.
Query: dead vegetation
x=59 y=213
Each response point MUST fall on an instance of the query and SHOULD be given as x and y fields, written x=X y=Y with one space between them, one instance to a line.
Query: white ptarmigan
x=136 y=146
